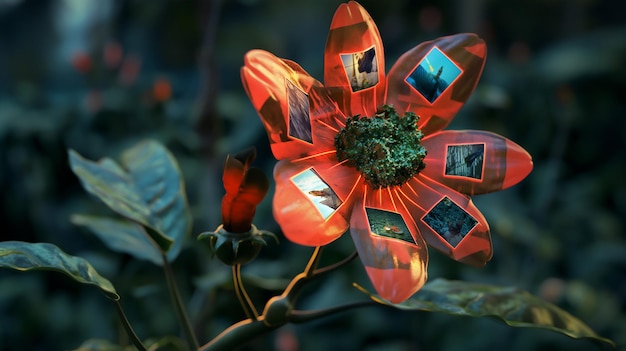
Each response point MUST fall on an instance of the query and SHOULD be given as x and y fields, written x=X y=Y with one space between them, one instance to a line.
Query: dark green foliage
x=43 y=256
x=385 y=147
x=513 y=306
x=146 y=188
x=553 y=82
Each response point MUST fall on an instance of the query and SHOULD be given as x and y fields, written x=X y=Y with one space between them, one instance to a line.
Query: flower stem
x=129 y=329
x=181 y=313
x=336 y=265
x=313 y=261
x=278 y=310
x=242 y=295
x=305 y=316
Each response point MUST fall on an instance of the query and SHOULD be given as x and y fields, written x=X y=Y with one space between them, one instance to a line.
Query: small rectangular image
x=361 y=69
x=299 y=118
x=465 y=160
x=325 y=199
x=450 y=221
x=388 y=224
x=433 y=75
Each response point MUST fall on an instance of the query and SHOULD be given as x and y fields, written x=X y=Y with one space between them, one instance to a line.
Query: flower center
x=385 y=148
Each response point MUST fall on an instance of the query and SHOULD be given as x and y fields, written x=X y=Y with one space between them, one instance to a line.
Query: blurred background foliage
x=98 y=76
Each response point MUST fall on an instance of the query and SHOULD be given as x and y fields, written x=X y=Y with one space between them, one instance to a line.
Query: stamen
x=385 y=148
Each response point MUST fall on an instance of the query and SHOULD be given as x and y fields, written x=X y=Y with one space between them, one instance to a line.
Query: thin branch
x=278 y=310
x=313 y=261
x=297 y=316
x=337 y=265
x=242 y=295
x=129 y=329
x=181 y=313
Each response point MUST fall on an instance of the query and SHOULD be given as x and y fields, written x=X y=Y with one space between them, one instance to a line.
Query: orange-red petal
x=435 y=78
x=238 y=208
x=389 y=244
x=232 y=177
x=354 y=61
x=475 y=162
x=448 y=220
x=299 y=115
x=313 y=199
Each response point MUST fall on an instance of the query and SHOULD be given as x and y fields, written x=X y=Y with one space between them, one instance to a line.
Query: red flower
x=371 y=173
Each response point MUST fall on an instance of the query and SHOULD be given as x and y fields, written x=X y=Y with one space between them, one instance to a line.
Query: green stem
x=181 y=313
x=129 y=329
x=334 y=266
x=313 y=261
x=278 y=310
x=242 y=295
x=304 y=316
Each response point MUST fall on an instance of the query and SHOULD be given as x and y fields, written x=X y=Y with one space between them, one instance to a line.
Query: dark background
x=553 y=82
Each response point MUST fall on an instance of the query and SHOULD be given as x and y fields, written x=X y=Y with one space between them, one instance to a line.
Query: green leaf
x=122 y=236
x=24 y=256
x=513 y=306
x=146 y=188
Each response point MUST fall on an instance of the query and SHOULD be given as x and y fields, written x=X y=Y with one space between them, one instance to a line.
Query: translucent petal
x=238 y=208
x=448 y=220
x=475 y=162
x=389 y=245
x=299 y=115
x=234 y=171
x=435 y=78
x=354 y=61
x=313 y=199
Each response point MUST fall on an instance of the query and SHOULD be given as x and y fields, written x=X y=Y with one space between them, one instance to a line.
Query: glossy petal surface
x=448 y=220
x=475 y=162
x=354 y=61
x=238 y=208
x=300 y=117
x=435 y=78
x=234 y=171
x=389 y=245
x=312 y=202
x=245 y=189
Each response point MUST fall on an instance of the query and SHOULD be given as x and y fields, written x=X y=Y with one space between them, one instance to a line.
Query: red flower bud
x=245 y=188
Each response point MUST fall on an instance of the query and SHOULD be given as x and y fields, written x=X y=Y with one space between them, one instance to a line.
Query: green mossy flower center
x=385 y=148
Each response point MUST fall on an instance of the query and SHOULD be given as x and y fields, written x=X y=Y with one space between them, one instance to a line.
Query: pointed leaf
x=147 y=188
x=122 y=236
x=24 y=256
x=515 y=307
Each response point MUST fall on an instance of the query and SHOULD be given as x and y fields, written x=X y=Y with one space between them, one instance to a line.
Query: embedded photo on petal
x=249 y=175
